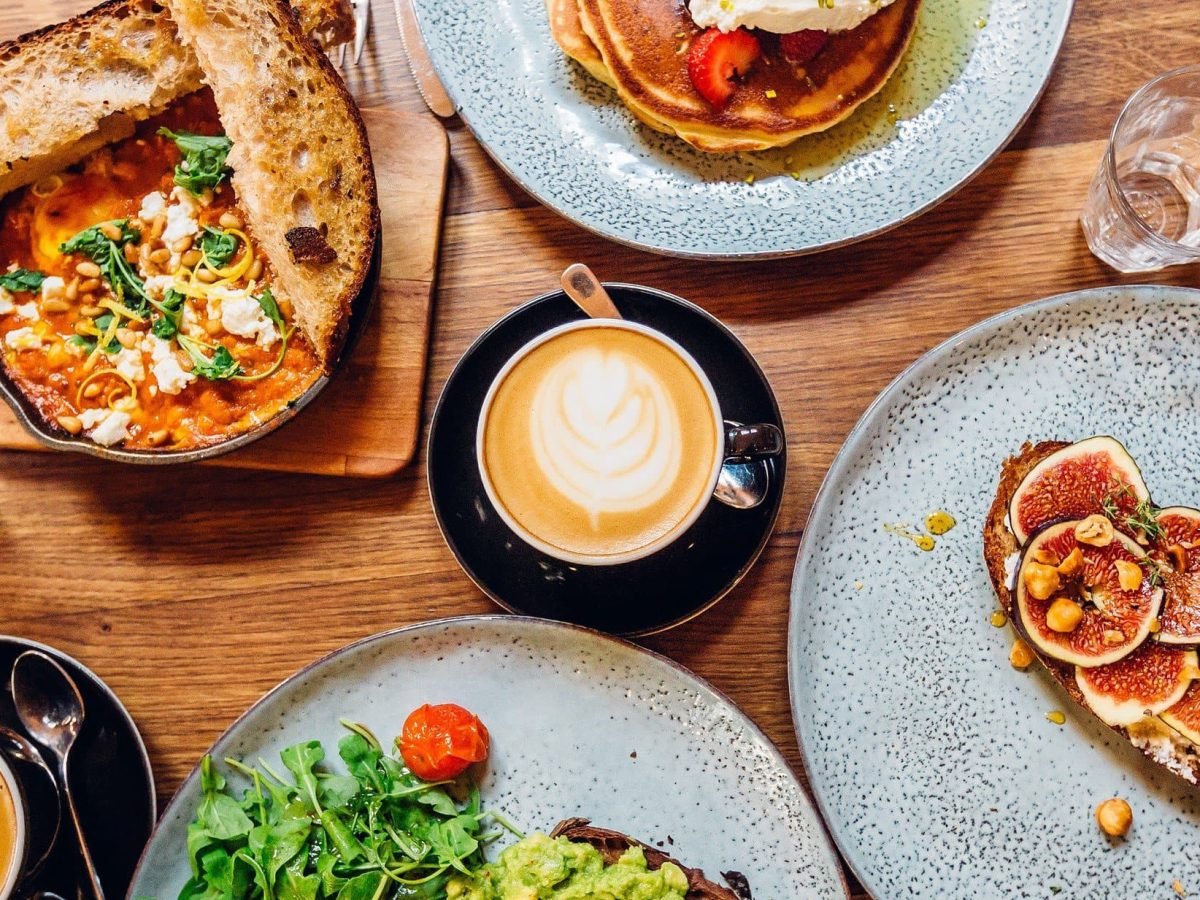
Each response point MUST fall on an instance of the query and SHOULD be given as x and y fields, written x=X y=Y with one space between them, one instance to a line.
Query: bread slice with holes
x=1161 y=743
x=71 y=88
x=301 y=164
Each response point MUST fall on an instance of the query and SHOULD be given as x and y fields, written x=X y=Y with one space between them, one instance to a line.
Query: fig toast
x=611 y=844
x=1149 y=694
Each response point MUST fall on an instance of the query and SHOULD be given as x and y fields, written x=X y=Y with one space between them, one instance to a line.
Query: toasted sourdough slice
x=301 y=164
x=1154 y=738
x=611 y=844
x=71 y=88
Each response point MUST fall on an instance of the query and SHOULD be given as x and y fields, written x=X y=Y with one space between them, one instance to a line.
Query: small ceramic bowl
x=54 y=439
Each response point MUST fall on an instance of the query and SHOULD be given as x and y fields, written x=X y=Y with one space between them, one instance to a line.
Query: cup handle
x=745 y=443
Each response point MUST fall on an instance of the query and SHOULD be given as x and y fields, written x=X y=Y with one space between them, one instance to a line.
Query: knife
x=420 y=64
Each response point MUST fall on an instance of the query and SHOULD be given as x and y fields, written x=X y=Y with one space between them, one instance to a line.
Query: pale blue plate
x=975 y=70
x=581 y=724
x=930 y=756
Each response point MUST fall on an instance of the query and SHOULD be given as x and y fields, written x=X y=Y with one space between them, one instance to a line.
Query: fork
x=362 y=22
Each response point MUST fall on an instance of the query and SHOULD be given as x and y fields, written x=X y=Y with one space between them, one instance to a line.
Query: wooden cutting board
x=367 y=420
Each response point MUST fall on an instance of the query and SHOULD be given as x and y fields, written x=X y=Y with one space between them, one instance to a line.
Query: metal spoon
x=20 y=747
x=50 y=707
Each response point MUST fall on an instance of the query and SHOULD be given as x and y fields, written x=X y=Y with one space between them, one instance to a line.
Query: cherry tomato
x=440 y=741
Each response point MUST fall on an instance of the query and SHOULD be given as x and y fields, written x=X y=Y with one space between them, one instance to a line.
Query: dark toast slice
x=612 y=844
x=1154 y=738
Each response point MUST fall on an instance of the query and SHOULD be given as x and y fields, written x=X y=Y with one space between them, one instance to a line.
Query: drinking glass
x=1143 y=209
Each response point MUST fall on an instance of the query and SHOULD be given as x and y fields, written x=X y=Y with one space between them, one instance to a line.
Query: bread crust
x=1179 y=756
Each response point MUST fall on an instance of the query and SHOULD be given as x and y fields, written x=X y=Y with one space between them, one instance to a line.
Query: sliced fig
x=1096 y=475
x=1151 y=679
x=1114 y=621
x=1177 y=557
x=1184 y=716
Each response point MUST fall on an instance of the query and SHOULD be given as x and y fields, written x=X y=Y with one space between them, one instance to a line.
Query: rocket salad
x=377 y=831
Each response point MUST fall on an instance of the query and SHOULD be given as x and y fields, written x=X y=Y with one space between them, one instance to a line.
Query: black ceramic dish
x=111 y=777
x=635 y=598
x=55 y=439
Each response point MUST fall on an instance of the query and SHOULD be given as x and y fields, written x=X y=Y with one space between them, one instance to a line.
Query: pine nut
x=126 y=338
x=92 y=391
x=158 y=438
x=159 y=226
x=255 y=271
x=185 y=361
x=70 y=424
x=131 y=253
x=183 y=244
x=88 y=270
x=206 y=276
x=192 y=258
x=230 y=220
x=72 y=290
x=55 y=305
x=213 y=327
x=90 y=286
x=160 y=256
x=110 y=231
x=83 y=328
x=90 y=310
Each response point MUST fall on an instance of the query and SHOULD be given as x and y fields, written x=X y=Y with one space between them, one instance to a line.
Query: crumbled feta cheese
x=158 y=285
x=113 y=429
x=53 y=286
x=28 y=310
x=152 y=205
x=181 y=217
x=128 y=361
x=167 y=372
x=23 y=339
x=242 y=315
x=93 y=417
x=6 y=302
x=190 y=322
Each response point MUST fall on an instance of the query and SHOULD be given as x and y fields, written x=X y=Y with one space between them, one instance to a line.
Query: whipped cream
x=784 y=16
x=605 y=432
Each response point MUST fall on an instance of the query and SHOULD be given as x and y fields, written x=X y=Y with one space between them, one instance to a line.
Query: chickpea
x=1041 y=580
x=1064 y=615
x=1129 y=574
x=1095 y=531
x=1114 y=817
x=1020 y=657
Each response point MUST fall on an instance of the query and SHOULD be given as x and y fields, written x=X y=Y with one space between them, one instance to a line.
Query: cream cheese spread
x=784 y=16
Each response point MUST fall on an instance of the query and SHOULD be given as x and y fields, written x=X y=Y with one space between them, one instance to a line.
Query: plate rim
x=779 y=469
x=847 y=849
x=526 y=622
x=748 y=255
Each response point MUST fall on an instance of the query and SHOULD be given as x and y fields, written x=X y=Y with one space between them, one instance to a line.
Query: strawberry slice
x=716 y=58
x=801 y=46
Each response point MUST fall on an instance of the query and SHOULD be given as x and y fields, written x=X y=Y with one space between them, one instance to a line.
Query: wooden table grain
x=192 y=591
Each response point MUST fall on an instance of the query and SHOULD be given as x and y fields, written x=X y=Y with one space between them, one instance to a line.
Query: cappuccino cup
x=600 y=442
x=14 y=829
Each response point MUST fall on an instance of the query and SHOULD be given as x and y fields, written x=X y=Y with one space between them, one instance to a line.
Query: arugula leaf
x=110 y=257
x=203 y=164
x=219 y=814
x=219 y=246
x=219 y=367
x=300 y=760
x=168 y=323
x=22 y=280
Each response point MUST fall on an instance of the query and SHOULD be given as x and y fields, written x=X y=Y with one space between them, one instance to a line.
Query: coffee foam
x=604 y=431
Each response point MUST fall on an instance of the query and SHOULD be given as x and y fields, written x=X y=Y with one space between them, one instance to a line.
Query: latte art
x=600 y=443
x=605 y=432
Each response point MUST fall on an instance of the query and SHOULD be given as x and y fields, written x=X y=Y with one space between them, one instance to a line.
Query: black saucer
x=111 y=779
x=635 y=598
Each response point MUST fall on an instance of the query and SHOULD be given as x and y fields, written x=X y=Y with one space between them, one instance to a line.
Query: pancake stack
x=645 y=48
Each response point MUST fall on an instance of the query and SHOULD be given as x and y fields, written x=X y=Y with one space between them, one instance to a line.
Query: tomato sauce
x=60 y=376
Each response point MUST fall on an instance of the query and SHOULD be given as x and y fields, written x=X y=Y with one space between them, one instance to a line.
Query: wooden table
x=192 y=591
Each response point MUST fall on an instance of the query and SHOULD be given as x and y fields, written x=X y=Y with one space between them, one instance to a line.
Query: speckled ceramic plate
x=581 y=724
x=959 y=95
x=932 y=759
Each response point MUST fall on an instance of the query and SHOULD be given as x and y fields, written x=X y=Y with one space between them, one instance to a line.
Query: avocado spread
x=541 y=867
